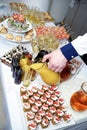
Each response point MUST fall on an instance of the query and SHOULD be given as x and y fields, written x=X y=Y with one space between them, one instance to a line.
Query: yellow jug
x=48 y=76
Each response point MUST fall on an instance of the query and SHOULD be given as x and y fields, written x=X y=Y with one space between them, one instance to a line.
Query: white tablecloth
x=14 y=115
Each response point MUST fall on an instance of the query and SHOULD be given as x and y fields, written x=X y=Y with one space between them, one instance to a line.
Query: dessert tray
x=15 y=35
x=43 y=106
x=7 y=57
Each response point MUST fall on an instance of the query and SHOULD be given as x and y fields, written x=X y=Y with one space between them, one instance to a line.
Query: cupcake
x=67 y=117
x=34 y=89
x=44 y=123
x=45 y=107
x=53 y=97
x=51 y=90
x=50 y=102
x=55 y=120
x=63 y=108
x=22 y=91
x=38 y=103
x=57 y=93
x=49 y=116
x=35 y=109
x=25 y=98
x=40 y=92
x=56 y=104
x=52 y=109
x=30 y=93
x=31 y=100
x=26 y=107
x=47 y=94
x=41 y=112
x=32 y=126
x=38 y=119
x=43 y=99
x=54 y=87
x=59 y=113
x=61 y=101
x=44 y=87
x=36 y=96
x=30 y=115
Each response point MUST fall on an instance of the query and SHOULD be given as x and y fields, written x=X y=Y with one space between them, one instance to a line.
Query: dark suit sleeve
x=69 y=51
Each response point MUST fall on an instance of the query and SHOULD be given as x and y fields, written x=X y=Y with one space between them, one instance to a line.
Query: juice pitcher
x=48 y=76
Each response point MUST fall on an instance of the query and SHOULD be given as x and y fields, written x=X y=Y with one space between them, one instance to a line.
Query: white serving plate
x=19 y=34
x=16 y=30
x=22 y=35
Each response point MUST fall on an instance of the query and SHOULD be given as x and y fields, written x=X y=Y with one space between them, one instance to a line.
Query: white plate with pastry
x=18 y=23
x=17 y=27
x=17 y=37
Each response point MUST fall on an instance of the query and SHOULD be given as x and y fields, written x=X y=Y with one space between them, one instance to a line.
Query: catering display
x=41 y=103
x=45 y=38
x=44 y=107
x=25 y=67
x=34 y=14
x=17 y=29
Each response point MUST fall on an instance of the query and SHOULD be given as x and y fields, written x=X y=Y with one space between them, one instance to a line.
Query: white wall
x=43 y=5
x=59 y=9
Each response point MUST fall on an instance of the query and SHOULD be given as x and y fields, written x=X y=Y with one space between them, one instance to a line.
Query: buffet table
x=14 y=113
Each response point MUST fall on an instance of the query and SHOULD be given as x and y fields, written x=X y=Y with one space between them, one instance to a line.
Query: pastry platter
x=55 y=119
x=30 y=116
x=15 y=35
x=7 y=57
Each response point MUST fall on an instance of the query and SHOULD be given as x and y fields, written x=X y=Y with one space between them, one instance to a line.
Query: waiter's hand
x=57 y=61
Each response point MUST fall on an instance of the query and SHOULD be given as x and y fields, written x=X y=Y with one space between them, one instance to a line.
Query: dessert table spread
x=14 y=114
